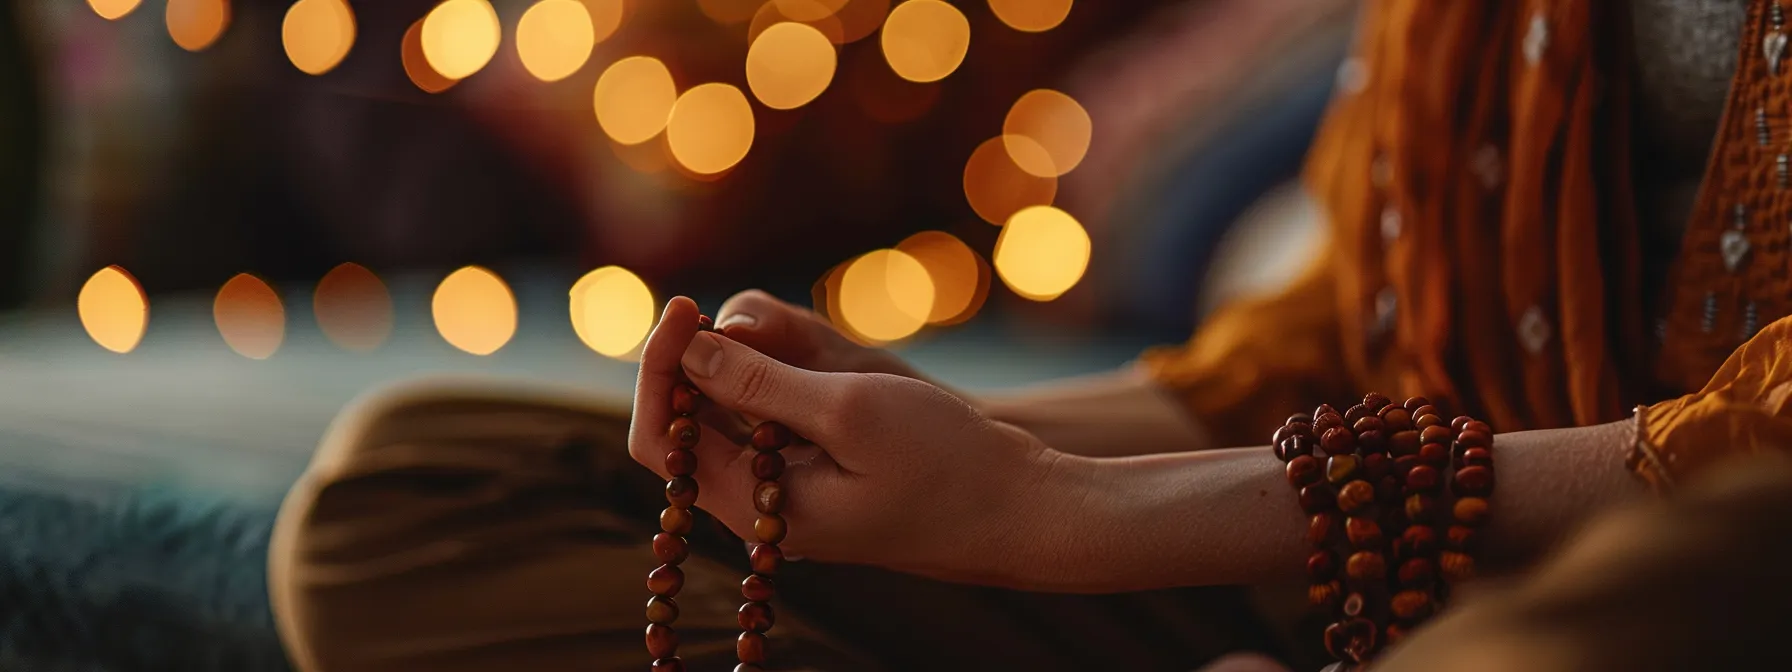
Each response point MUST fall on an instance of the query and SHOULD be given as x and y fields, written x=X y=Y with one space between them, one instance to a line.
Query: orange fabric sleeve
x=1744 y=409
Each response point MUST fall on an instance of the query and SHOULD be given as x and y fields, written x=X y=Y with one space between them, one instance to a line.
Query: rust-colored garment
x=1475 y=170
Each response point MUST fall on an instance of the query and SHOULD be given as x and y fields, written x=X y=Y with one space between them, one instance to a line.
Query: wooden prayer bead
x=681 y=491
x=1355 y=496
x=1387 y=490
x=1326 y=595
x=684 y=399
x=1376 y=466
x=1363 y=532
x=676 y=520
x=1471 y=511
x=770 y=528
x=1415 y=403
x=1474 y=481
x=1427 y=421
x=1417 y=573
x=1351 y=640
x=1374 y=401
x=1417 y=541
x=1372 y=442
x=670 y=548
x=768 y=497
x=1294 y=446
x=1461 y=538
x=665 y=581
x=1410 y=605
x=1341 y=469
x=662 y=641
x=1323 y=528
x=1477 y=426
x=768 y=466
x=757 y=588
x=1365 y=566
x=1286 y=432
x=1304 y=471
x=1322 y=566
x=1435 y=455
x=1367 y=423
x=1355 y=413
x=765 y=559
x=1317 y=498
x=1457 y=567
x=1395 y=419
x=1423 y=411
x=684 y=433
x=1421 y=508
x=1404 y=465
x=1299 y=419
x=1434 y=434
x=770 y=436
x=756 y=617
x=1477 y=457
x=1338 y=441
x=1457 y=423
x=750 y=647
x=1422 y=478
x=1472 y=439
x=662 y=610
x=1323 y=410
x=1404 y=443
x=1354 y=604
x=681 y=462
x=1326 y=423
x=672 y=664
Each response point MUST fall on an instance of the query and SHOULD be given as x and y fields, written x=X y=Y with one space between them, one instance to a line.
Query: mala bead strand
x=670 y=545
x=756 y=616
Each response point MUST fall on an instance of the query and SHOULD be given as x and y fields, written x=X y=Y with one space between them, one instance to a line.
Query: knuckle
x=752 y=381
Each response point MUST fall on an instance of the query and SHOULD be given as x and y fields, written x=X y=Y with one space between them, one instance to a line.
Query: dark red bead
x=1416 y=403
x=1410 y=605
x=1477 y=457
x=1404 y=464
x=673 y=664
x=757 y=588
x=1434 y=434
x=770 y=436
x=756 y=617
x=1351 y=640
x=750 y=647
x=1324 y=596
x=1338 y=441
x=1322 y=565
x=1299 y=419
x=1341 y=469
x=1365 y=566
x=1461 y=539
x=1363 y=533
x=765 y=559
x=665 y=581
x=1395 y=419
x=676 y=520
x=1474 y=440
x=1422 y=478
x=670 y=548
x=681 y=491
x=1417 y=572
x=1421 y=508
x=770 y=528
x=1326 y=423
x=1404 y=443
x=662 y=610
x=1356 y=496
x=662 y=641
x=1322 y=528
x=1377 y=465
x=1317 y=498
x=684 y=432
x=1417 y=541
x=1323 y=410
x=768 y=497
x=704 y=323
x=1374 y=401
x=1367 y=423
x=1372 y=442
x=684 y=399
x=1355 y=413
x=1474 y=481
x=1294 y=446
x=1286 y=432
x=1477 y=426
x=1304 y=471
x=1434 y=454
x=1423 y=411
x=768 y=466
x=681 y=462
x=1459 y=421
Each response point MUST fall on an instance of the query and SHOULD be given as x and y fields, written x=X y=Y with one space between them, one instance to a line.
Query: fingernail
x=704 y=357
x=742 y=320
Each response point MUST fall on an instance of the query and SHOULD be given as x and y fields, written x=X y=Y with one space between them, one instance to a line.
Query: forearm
x=1114 y=414
x=1229 y=516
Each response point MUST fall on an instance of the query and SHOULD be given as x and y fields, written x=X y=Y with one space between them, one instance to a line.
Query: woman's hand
x=798 y=337
x=893 y=471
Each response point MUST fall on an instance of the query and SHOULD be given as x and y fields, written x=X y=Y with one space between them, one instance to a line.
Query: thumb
x=782 y=331
x=741 y=378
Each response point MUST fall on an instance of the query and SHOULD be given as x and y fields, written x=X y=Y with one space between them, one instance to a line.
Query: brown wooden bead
x=684 y=399
x=1317 y=498
x=662 y=610
x=1365 y=566
x=1351 y=640
x=1338 y=441
x=1423 y=411
x=1367 y=423
x=1286 y=432
x=757 y=588
x=1322 y=410
x=1355 y=496
x=1326 y=423
x=1294 y=446
x=1415 y=403
x=684 y=432
x=1410 y=605
x=665 y=581
x=768 y=497
x=756 y=617
x=1461 y=538
x=1404 y=443
x=1417 y=573
x=1434 y=454
x=681 y=462
x=1355 y=413
x=771 y=436
x=1373 y=442
x=1387 y=490
x=1416 y=542
x=1323 y=528
x=1404 y=465
x=670 y=548
x=1422 y=478
x=1457 y=423
x=1477 y=426
x=1395 y=419
x=662 y=641
x=1363 y=532
x=1341 y=469
x=750 y=647
x=1429 y=420
x=768 y=466
x=1421 y=508
x=1354 y=604
x=705 y=323
x=1434 y=434
x=1474 y=440
x=1374 y=401
x=1477 y=457
x=1322 y=566
x=1471 y=511
x=676 y=520
x=681 y=491
x=1376 y=466
x=673 y=664
x=1456 y=567
x=1304 y=471
x=765 y=559
x=770 y=528
x=1474 y=481
x=1325 y=596
x=1299 y=419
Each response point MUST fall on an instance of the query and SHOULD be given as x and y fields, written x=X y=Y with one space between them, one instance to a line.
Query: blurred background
x=220 y=220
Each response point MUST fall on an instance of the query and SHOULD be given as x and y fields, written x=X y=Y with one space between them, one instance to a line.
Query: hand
x=893 y=471
x=800 y=338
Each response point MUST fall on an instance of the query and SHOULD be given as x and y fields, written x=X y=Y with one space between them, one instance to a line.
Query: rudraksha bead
x=757 y=588
x=1456 y=567
x=670 y=548
x=756 y=617
x=750 y=647
x=1434 y=454
x=1477 y=457
x=1322 y=566
x=1470 y=511
x=1365 y=566
x=662 y=641
x=1377 y=465
x=676 y=520
x=681 y=491
x=1372 y=442
x=1351 y=640
x=665 y=581
x=1421 y=508
x=1362 y=532
x=1404 y=442
x=684 y=399
x=1416 y=403
x=1356 y=496
x=1474 y=481
x=1355 y=413
x=771 y=436
x=1367 y=423
x=1375 y=401
x=1395 y=419
x=1326 y=595
x=1422 y=478
x=1416 y=573
x=1337 y=441
x=1304 y=471
x=1341 y=469
x=1294 y=446
x=684 y=433
x=1317 y=498
x=1323 y=528
x=1410 y=605
x=1461 y=538
x=768 y=497
x=1326 y=423
x=681 y=462
x=662 y=610
x=1417 y=541
x=768 y=466
x=770 y=528
x=765 y=559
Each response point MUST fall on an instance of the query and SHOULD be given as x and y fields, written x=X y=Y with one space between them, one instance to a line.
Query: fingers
x=782 y=331
x=660 y=370
x=741 y=378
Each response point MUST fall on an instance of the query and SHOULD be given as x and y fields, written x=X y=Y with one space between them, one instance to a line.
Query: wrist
x=1038 y=547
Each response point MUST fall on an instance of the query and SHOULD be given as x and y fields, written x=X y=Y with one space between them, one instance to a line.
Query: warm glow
x=710 y=128
x=318 y=34
x=960 y=278
x=633 y=98
x=460 y=37
x=416 y=66
x=925 y=40
x=1058 y=128
x=1042 y=253
x=774 y=13
x=860 y=18
x=881 y=95
x=113 y=9
x=353 y=308
x=606 y=17
x=789 y=65
x=474 y=310
x=250 y=316
x=885 y=295
x=809 y=10
x=997 y=188
x=196 y=24
x=730 y=11
x=612 y=310
x=1033 y=16
x=554 y=38
x=113 y=309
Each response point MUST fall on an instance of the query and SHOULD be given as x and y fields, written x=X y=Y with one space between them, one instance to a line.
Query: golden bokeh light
x=773 y=13
x=1058 y=130
x=250 y=316
x=809 y=10
x=633 y=98
x=1042 y=253
x=860 y=18
x=997 y=188
x=606 y=17
x=554 y=39
x=648 y=158
x=474 y=310
x=789 y=65
x=353 y=308
x=960 y=278
x=885 y=295
x=416 y=66
x=113 y=9
x=710 y=128
x=612 y=310
x=460 y=37
x=1032 y=16
x=730 y=11
x=317 y=34
x=196 y=24
x=925 y=40
x=113 y=309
